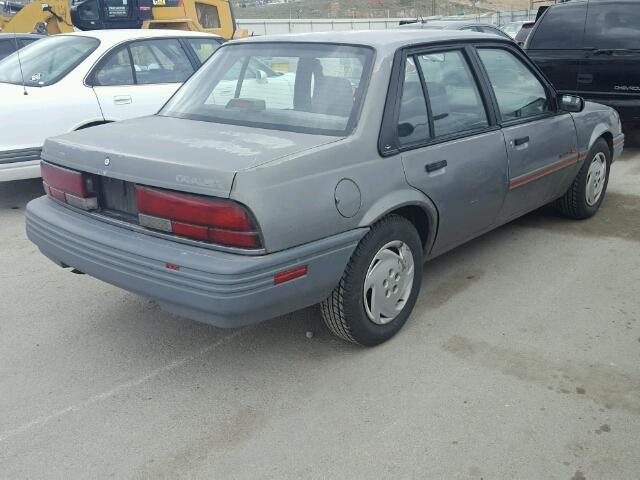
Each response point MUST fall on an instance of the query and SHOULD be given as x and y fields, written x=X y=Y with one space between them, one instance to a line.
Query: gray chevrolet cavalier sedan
x=320 y=168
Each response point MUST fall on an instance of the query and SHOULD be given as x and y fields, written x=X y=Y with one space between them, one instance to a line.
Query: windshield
x=46 y=61
x=311 y=88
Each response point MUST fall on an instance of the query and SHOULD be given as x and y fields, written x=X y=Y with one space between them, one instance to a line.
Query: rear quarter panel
x=294 y=198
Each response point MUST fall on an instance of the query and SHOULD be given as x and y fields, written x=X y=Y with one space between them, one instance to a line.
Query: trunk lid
x=177 y=154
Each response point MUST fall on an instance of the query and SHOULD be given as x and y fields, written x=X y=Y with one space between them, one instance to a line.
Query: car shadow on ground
x=16 y=194
x=444 y=277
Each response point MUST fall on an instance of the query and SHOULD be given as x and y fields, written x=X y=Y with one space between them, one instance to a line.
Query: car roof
x=119 y=35
x=381 y=40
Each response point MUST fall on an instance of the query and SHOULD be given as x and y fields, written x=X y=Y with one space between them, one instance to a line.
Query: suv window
x=204 y=48
x=561 y=27
x=160 y=61
x=115 y=69
x=613 y=25
x=519 y=93
x=413 y=121
x=456 y=105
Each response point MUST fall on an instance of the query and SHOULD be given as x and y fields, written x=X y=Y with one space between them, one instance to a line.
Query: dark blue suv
x=592 y=48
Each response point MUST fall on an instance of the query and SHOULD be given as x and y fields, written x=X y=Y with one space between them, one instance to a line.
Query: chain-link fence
x=298 y=25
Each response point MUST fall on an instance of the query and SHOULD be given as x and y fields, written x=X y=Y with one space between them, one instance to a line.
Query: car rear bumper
x=19 y=164
x=219 y=288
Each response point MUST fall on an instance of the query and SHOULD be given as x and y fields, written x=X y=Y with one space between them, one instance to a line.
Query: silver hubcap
x=388 y=283
x=595 y=178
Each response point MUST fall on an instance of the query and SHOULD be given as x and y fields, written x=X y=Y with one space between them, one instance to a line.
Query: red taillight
x=192 y=209
x=69 y=186
x=200 y=218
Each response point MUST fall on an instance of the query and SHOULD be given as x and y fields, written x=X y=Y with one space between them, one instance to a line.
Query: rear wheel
x=380 y=285
x=584 y=197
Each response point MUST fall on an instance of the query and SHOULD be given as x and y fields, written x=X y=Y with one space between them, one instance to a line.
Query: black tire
x=344 y=311
x=574 y=202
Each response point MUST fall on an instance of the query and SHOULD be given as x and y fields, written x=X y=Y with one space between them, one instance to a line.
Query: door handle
x=432 y=167
x=122 y=99
x=521 y=141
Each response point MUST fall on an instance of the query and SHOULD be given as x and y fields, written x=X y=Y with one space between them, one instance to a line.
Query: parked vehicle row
x=319 y=168
x=73 y=81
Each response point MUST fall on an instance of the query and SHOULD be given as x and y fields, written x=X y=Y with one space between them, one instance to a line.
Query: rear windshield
x=7 y=47
x=46 y=61
x=311 y=88
x=561 y=27
x=613 y=25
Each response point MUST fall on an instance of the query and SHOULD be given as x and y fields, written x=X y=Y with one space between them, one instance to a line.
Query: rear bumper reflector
x=157 y=223
x=88 y=203
x=288 y=275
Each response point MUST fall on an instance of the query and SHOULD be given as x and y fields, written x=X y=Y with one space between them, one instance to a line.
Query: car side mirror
x=571 y=103
x=405 y=129
x=261 y=77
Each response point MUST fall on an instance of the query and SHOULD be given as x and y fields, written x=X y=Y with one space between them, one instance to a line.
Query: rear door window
x=613 y=25
x=160 y=61
x=115 y=69
x=561 y=27
x=456 y=105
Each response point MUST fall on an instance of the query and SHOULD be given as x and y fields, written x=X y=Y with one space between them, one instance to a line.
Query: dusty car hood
x=179 y=154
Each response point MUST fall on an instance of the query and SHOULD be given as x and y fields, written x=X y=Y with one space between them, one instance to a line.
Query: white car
x=82 y=79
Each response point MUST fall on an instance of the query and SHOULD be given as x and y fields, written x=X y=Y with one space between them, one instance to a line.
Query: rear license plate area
x=118 y=198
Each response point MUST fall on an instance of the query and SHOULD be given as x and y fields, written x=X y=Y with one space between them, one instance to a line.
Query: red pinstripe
x=542 y=173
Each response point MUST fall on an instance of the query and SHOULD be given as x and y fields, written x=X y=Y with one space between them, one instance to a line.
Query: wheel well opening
x=418 y=217
x=609 y=139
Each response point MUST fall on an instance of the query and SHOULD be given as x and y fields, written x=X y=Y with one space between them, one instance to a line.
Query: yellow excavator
x=51 y=17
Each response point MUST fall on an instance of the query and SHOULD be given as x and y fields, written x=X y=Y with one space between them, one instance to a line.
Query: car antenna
x=24 y=87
